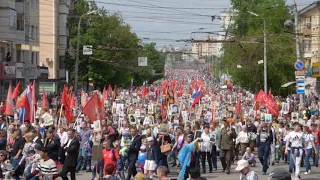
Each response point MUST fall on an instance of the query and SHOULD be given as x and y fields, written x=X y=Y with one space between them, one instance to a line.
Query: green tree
x=248 y=33
x=115 y=48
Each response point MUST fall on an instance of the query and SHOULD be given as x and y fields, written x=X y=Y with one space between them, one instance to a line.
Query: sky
x=166 y=21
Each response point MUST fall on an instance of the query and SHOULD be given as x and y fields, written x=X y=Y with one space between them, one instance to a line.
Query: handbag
x=165 y=147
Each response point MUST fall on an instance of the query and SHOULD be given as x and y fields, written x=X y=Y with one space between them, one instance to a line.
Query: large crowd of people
x=187 y=120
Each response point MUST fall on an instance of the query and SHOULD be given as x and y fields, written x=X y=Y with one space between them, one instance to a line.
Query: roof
x=308 y=8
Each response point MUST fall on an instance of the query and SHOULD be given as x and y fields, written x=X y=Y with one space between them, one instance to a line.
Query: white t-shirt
x=250 y=176
x=286 y=139
x=296 y=139
x=309 y=138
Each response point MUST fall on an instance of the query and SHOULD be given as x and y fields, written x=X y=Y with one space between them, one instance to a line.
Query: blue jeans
x=87 y=162
x=79 y=164
x=15 y=163
x=263 y=154
x=94 y=170
x=307 y=159
x=291 y=164
x=316 y=157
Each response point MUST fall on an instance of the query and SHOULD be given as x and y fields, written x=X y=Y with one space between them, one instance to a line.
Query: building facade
x=202 y=49
x=226 y=21
x=309 y=30
x=19 y=42
x=53 y=42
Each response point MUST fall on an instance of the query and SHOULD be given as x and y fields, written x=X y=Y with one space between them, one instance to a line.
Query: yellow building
x=309 y=29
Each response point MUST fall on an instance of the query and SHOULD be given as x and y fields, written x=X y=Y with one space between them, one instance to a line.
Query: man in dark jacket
x=133 y=152
x=52 y=144
x=71 y=149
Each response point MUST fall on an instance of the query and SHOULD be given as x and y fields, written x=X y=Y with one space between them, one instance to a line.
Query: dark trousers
x=214 y=155
x=204 y=156
x=226 y=158
x=66 y=170
x=132 y=171
x=197 y=159
x=263 y=154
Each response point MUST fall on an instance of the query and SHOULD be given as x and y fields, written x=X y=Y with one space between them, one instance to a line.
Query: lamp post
x=77 y=54
x=264 y=51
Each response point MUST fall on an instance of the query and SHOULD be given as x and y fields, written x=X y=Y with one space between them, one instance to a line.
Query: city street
x=315 y=175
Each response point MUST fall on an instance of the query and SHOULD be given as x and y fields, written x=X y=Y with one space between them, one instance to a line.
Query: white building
x=19 y=38
x=226 y=20
x=201 y=49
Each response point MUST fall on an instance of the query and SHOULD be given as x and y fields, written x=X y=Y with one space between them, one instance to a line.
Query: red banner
x=268 y=102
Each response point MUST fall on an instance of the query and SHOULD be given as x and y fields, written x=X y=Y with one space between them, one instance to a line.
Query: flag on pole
x=196 y=97
x=72 y=102
x=66 y=104
x=45 y=102
x=16 y=91
x=33 y=102
x=92 y=108
x=9 y=109
x=238 y=107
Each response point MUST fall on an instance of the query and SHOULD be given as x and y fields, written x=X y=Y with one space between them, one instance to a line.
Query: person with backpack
x=109 y=156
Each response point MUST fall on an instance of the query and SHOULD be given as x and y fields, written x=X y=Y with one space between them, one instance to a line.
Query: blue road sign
x=298 y=65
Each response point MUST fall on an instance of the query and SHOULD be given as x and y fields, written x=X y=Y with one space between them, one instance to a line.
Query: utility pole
x=296 y=23
x=265 y=70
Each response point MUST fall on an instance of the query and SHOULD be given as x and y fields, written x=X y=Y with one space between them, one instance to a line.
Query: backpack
x=119 y=162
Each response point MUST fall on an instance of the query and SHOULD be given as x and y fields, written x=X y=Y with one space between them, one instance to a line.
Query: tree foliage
x=248 y=33
x=115 y=48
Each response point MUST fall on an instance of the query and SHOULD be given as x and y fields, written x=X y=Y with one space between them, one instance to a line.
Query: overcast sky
x=165 y=21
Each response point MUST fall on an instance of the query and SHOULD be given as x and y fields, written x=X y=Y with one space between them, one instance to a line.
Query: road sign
x=300 y=82
x=142 y=61
x=298 y=65
x=87 y=50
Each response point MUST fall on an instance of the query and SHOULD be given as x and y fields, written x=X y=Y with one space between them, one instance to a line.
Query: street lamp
x=78 y=47
x=265 y=50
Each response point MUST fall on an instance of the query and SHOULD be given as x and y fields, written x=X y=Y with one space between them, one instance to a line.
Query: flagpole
x=60 y=115
x=76 y=119
x=23 y=114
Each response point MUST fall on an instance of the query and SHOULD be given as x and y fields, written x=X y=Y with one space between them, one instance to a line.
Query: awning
x=288 y=84
x=293 y=82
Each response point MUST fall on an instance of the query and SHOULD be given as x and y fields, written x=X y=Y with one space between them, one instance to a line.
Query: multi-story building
x=53 y=42
x=309 y=28
x=201 y=49
x=19 y=42
x=226 y=20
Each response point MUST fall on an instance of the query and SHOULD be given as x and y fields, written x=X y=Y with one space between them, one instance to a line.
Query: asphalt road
x=315 y=173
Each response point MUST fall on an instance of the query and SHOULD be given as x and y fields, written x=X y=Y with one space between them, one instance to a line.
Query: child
x=142 y=156
x=88 y=151
x=152 y=158
x=249 y=156
x=124 y=149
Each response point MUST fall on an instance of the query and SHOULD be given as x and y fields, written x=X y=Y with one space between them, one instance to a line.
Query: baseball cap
x=279 y=174
x=242 y=164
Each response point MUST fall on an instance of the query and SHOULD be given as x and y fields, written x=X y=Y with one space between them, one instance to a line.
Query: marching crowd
x=187 y=122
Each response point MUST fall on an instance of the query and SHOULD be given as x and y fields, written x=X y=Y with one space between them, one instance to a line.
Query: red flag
x=268 y=102
x=21 y=100
x=9 y=109
x=45 y=103
x=238 y=108
x=104 y=94
x=144 y=92
x=180 y=91
x=109 y=90
x=33 y=103
x=83 y=98
x=92 y=108
x=66 y=104
x=163 y=110
x=72 y=102
x=16 y=91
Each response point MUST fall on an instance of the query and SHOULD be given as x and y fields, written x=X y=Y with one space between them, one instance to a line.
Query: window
x=37 y=58
x=32 y=32
x=13 y=16
x=18 y=56
x=33 y=4
x=307 y=46
x=32 y=57
x=20 y=22
x=36 y=32
x=308 y=23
